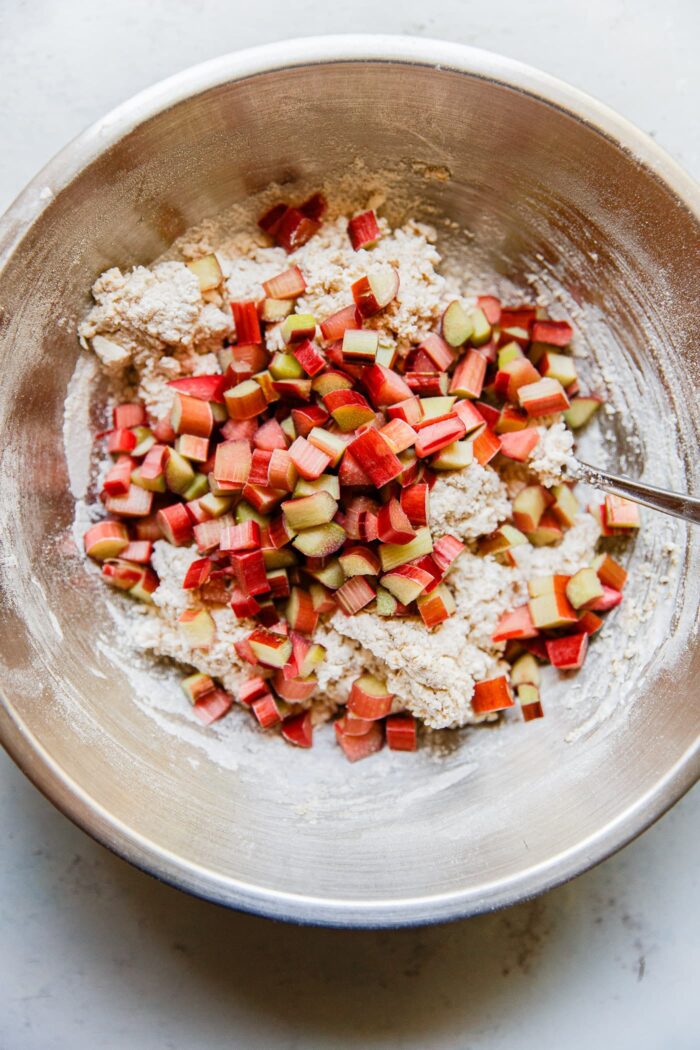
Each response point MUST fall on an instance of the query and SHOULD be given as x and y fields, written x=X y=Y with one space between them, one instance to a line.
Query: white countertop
x=94 y=953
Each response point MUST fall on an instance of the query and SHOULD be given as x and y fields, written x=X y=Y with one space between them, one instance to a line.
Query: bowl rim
x=23 y=747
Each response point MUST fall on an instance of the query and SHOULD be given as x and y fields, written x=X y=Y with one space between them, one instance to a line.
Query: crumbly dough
x=151 y=325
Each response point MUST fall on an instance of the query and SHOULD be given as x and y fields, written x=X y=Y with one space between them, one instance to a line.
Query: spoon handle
x=686 y=507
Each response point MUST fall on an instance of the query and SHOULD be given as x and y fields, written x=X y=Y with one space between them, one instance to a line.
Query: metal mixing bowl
x=547 y=182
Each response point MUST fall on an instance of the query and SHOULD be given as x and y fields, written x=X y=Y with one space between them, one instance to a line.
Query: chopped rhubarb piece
x=502 y=539
x=512 y=376
x=401 y=733
x=197 y=574
x=529 y=700
x=128 y=415
x=435 y=605
x=621 y=513
x=369 y=698
x=485 y=446
x=609 y=600
x=294 y=690
x=349 y=409
x=377 y=460
x=320 y=541
x=354 y=726
x=309 y=357
x=406 y=582
x=270 y=436
x=282 y=473
x=589 y=622
x=456 y=324
x=471 y=415
x=245 y=652
x=399 y=435
x=139 y=551
x=198 y=628
x=515 y=624
x=393 y=554
x=584 y=589
x=360 y=561
x=468 y=378
x=511 y=420
x=610 y=573
x=354 y=594
x=394 y=525
x=410 y=410
x=243 y=605
x=360 y=344
x=529 y=506
x=269 y=222
x=439 y=352
x=554 y=333
x=308 y=460
x=446 y=550
x=435 y=436
x=197 y=686
x=136 y=503
x=245 y=318
x=207 y=535
x=251 y=690
x=121 y=574
x=118 y=478
x=552 y=610
x=249 y=568
x=565 y=506
x=358 y=747
x=455 y=456
x=492 y=695
x=202 y=388
x=363 y=230
x=245 y=401
x=375 y=290
x=295 y=229
x=415 y=503
x=384 y=386
x=427 y=384
x=548 y=531
x=298 y=730
x=309 y=511
x=232 y=464
x=266 y=711
x=191 y=416
x=207 y=271
x=489 y=414
x=543 y=398
x=175 y=524
x=490 y=307
x=298 y=328
x=519 y=444
x=581 y=410
x=121 y=441
x=239 y=430
x=289 y=284
x=315 y=207
x=242 y=537
x=568 y=653
x=259 y=468
x=518 y=316
x=191 y=447
x=335 y=326
x=300 y=611
x=525 y=670
x=271 y=650
x=212 y=706
x=558 y=366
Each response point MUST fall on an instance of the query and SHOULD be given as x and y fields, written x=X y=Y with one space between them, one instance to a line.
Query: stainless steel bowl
x=548 y=182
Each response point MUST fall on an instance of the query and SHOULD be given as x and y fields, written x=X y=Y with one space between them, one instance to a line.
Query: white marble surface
x=92 y=952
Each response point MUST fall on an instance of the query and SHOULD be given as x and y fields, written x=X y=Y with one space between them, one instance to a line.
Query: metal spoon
x=686 y=507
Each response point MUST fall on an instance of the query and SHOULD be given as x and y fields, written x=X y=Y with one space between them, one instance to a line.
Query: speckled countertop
x=92 y=952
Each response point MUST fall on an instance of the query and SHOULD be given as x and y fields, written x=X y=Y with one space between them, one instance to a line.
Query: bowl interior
x=543 y=201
